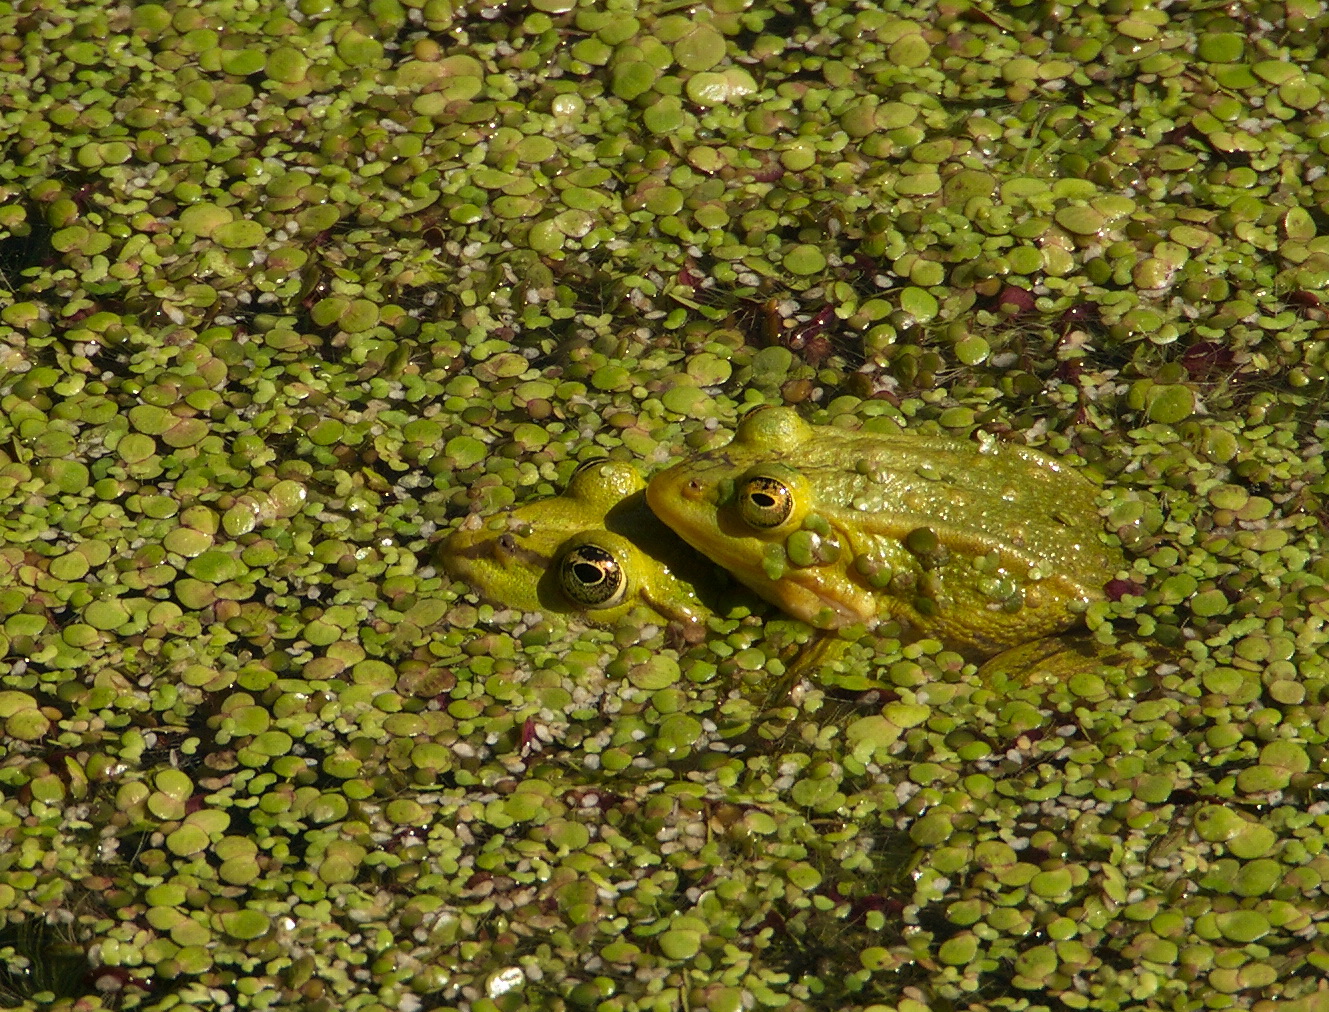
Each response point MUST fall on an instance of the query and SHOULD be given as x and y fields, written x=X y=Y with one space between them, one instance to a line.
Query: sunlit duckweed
x=286 y=291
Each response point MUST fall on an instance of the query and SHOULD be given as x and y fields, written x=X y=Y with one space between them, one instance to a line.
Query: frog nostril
x=692 y=490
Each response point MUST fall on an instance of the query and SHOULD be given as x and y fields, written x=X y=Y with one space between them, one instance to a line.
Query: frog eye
x=765 y=502
x=592 y=577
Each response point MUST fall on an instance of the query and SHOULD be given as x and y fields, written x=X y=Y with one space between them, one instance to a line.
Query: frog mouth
x=823 y=597
x=817 y=595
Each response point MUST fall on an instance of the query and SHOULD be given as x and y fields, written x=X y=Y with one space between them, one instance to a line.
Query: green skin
x=517 y=557
x=982 y=547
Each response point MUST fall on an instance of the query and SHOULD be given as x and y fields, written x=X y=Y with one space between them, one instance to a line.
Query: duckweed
x=288 y=292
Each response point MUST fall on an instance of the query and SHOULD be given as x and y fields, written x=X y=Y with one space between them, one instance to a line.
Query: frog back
x=984 y=545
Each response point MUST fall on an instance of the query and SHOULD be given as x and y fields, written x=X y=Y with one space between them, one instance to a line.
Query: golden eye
x=592 y=577
x=765 y=502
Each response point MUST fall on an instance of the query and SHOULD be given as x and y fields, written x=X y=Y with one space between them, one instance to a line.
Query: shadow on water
x=28 y=245
x=37 y=957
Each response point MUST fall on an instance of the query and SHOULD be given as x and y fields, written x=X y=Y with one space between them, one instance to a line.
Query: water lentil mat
x=290 y=289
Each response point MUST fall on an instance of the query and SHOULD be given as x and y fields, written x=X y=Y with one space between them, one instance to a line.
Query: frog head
x=594 y=551
x=751 y=508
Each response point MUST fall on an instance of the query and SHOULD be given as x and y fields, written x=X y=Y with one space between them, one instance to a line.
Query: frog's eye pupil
x=765 y=502
x=592 y=577
x=587 y=573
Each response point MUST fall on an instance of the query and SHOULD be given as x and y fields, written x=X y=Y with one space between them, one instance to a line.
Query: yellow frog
x=982 y=545
x=594 y=551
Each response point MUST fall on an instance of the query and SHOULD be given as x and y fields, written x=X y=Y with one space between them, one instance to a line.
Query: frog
x=594 y=552
x=982 y=545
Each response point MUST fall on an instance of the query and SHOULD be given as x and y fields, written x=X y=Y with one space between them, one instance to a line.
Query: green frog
x=595 y=551
x=984 y=546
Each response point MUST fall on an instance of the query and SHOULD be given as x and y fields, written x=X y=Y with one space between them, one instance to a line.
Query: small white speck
x=504 y=981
